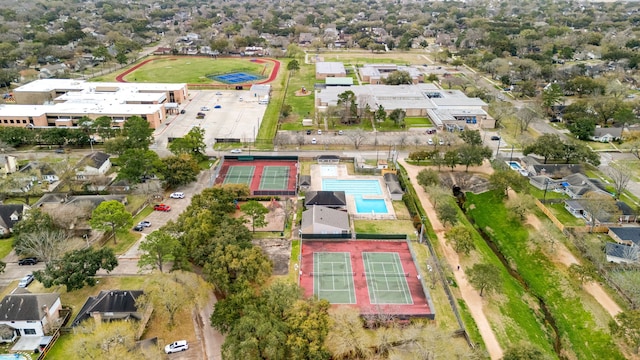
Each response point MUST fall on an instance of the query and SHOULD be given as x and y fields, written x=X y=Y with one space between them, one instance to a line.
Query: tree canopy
x=77 y=268
x=111 y=216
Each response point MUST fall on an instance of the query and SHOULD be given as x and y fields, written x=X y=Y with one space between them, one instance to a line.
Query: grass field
x=582 y=335
x=368 y=57
x=193 y=70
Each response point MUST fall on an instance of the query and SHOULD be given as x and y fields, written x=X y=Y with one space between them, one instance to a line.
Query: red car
x=162 y=207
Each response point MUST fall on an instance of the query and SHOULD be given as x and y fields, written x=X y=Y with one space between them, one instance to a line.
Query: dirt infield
x=272 y=75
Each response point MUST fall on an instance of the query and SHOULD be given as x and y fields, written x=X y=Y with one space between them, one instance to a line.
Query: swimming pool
x=12 y=357
x=514 y=165
x=370 y=206
x=353 y=187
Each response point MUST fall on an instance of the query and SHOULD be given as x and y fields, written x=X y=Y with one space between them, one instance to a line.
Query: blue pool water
x=12 y=357
x=370 y=206
x=353 y=187
x=514 y=165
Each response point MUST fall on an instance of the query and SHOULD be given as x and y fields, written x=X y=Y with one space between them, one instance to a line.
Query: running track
x=272 y=76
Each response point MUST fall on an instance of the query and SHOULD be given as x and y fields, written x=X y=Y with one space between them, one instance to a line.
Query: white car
x=177 y=195
x=236 y=151
x=314 y=141
x=430 y=141
x=204 y=108
x=177 y=346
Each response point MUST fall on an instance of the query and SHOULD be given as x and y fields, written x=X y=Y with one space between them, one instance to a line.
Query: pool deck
x=343 y=174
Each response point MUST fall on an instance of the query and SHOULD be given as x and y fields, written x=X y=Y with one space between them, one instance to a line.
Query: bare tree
x=599 y=207
x=357 y=137
x=70 y=216
x=416 y=141
x=300 y=139
x=621 y=177
x=402 y=140
x=46 y=245
x=525 y=116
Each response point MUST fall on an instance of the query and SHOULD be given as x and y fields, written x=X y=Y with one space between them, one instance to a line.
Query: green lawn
x=5 y=247
x=193 y=70
x=564 y=216
x=417 y=122
x=385 y=227
x=581 y=335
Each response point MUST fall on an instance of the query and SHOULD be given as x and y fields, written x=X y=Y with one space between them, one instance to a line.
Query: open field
x=368 y=57
x=193 y=70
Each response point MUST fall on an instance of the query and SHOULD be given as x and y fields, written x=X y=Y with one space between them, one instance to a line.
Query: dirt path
x=469 y=294
x=563 y=256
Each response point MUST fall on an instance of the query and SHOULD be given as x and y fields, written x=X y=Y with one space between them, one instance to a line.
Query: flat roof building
x=441 y=106
x=330 y=69
x=62 y=102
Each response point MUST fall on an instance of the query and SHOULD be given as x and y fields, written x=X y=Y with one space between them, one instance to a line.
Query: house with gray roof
x=10 y=214
x=576 y=185
x=318 y=220
x=110 y=305
x=331 y=199
x=619 y=253
x=607 y=134
x=92 y=165
x=625 y=235
x=29 y=314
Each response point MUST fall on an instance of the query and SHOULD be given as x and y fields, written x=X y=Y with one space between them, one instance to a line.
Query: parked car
x=204 y=108
x=145 y=223
x=308 y=132
x=431 y=131
x=25 y=281
x=218 y=107
x=240 y=98
x=177 y=346
x=314 y=141
x=218 y=93
x=183 y=111
x=177 y=195
x=441 y=142
x=59 y=151
x=340 y=132
x=161 y=207
x=430 y=141
x=28 y=261
x=495 y=138
x=236 y=151
x=138 y=227
x=319 y=132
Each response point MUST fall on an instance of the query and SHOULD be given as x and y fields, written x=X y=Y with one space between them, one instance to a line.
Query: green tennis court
x=386 y=280
x=239 y=175
x=333 y=277
x=274 y=178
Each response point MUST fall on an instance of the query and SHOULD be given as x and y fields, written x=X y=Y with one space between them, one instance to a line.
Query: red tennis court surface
x=260 y=164
x=421 y=306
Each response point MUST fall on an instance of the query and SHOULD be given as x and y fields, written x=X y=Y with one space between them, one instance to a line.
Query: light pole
x=546 y=187
x=511 y=157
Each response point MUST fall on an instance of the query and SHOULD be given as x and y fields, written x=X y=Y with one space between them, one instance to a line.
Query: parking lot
x=231 y=114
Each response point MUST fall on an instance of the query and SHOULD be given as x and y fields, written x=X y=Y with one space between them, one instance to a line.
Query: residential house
x=575 y=208
x=305 y=39
x=625 y=235
x=52 y=71
x=331 y=199
x=10 y=214
x=110 y=305
x=619 y=253
x=321 y=220
x=393 y=185
x=29 y=314
x=608 y=134
x=8 y=165
x=92 y=165
x=576 y=185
